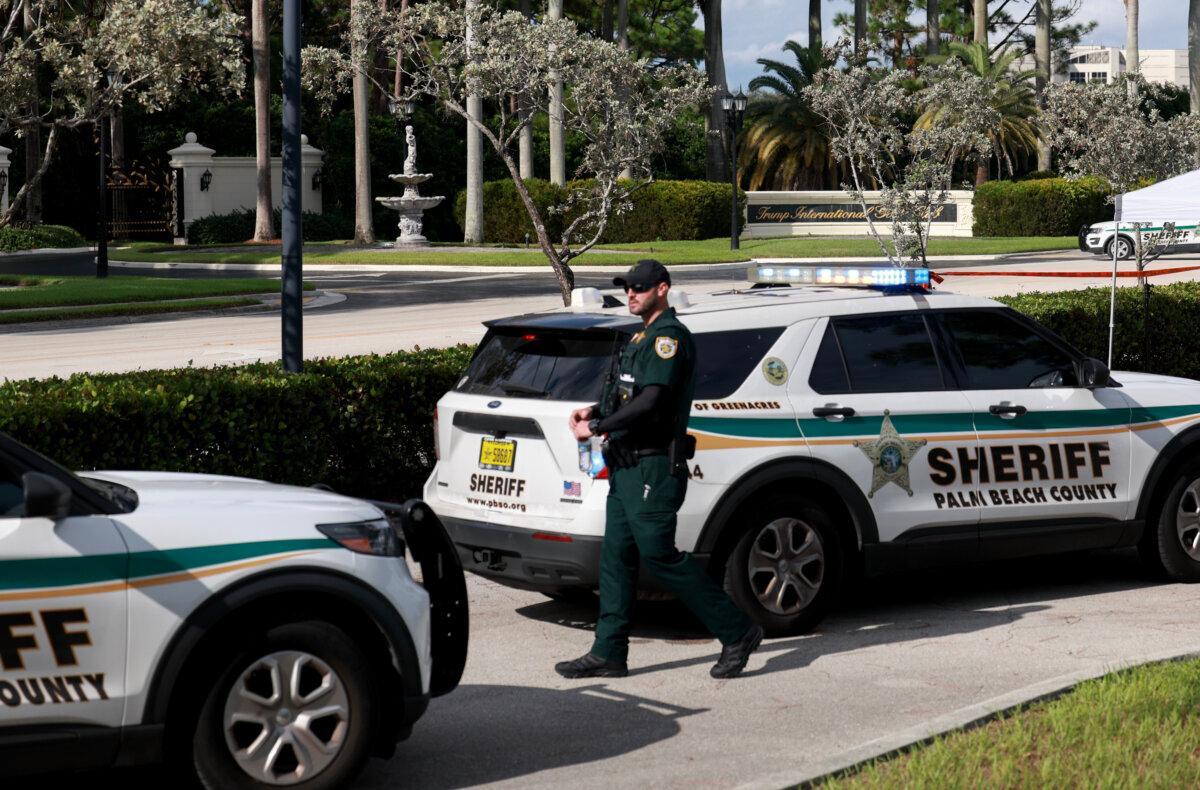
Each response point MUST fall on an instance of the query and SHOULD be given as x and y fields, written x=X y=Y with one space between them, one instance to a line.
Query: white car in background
x=1098 y=238
x=252 y=634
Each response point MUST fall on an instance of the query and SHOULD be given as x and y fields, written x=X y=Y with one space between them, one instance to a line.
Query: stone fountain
x=410 y=205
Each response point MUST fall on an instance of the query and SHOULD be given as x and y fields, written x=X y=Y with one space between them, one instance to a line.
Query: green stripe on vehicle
x=44 y=572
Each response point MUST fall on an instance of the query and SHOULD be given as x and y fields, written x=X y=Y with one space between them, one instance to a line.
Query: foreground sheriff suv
x=838 y=429
x=256 y=635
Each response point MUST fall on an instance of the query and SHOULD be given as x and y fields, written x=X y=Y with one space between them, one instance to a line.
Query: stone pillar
x=310 y=165
x=194 y=160
x=4 y=176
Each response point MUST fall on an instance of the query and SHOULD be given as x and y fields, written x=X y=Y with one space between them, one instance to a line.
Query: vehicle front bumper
x=529 y=559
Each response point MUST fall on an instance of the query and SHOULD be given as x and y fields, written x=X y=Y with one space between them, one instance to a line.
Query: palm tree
x=933 y=27
x=860 y=25
x=1132 y=58
x=264 y=224
x=814 y=23
x=1194 y=52
x=714 y=70
x=1044 y=13
x=364 y=223
x=980 y=18
x=558 y=151
x=785 y=145
x=1016 y=136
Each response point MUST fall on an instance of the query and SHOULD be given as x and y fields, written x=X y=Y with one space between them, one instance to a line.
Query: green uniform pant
x=641 y=507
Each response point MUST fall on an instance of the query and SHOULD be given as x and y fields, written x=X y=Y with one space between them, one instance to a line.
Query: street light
x=734 y=105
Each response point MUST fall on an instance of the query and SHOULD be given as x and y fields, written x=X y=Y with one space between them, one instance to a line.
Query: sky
x=757 y=28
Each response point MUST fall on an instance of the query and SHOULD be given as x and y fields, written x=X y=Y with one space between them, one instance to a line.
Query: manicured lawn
x=623 y=255
x=1138 y=728
x=109 y=310
x=60 y=291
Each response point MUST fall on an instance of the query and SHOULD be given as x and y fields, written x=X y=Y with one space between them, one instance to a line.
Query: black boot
x=591 y=666
x=734 y=657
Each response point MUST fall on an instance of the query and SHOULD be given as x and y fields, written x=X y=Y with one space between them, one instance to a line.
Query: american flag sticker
x=572 y=488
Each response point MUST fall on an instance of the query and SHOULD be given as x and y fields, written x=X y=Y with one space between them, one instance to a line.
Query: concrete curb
x=45 y=251
x=962 y=719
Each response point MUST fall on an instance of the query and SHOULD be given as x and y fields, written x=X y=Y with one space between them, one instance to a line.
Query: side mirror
x=1092 y=373
x=45 y=497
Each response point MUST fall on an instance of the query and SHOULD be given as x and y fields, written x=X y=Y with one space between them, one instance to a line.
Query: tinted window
x=829 y=371
x=534 y=364
x=888 y=353
x=12 y=493
x=725 y=359
x=1000 y=352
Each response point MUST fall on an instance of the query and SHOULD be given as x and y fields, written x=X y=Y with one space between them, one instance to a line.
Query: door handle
x=833 y=410
x=1007 y=410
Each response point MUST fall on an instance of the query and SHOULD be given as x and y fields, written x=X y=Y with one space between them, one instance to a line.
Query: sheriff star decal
x=665 y=347
x=890 y=454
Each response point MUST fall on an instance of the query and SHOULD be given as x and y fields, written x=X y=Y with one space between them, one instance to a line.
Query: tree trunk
x=117 y=210
x=264 y=225
x=933 y=27
x=860 y=27
x=364 y=224
x=1044 y=13
x=814 y=23
x=1132 y=58
x=33 y=142
x=558 y=156
x=715 y=168
x=623 y=45
x=1194 y=52
x=981 y=22
x=398 y=83
x=473 y=216
x=981 y=172
x=606 y=20
x=525 y=141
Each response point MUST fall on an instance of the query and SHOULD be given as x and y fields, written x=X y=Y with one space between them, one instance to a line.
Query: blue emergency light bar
x=854 y=276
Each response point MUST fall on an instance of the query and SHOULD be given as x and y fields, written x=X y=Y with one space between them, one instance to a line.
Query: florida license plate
x=497 y=454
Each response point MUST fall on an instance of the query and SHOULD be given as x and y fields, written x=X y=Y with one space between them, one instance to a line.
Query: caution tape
x=1147 y=273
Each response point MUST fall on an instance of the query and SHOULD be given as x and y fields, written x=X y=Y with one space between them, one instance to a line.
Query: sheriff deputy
x=645 y=411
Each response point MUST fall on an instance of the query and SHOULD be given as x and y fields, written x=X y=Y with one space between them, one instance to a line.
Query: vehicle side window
x=999 y=352
x=725 y=359
x=889 y=353
x=828 y=375
x=12 y=493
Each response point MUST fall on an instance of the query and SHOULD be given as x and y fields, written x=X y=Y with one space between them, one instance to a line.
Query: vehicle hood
x=233 y=502
x=1139 y=380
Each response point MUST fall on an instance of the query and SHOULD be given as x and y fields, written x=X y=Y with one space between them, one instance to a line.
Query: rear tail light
x=437 y=450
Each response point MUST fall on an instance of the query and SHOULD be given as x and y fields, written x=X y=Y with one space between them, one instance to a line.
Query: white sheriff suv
x=839 y=430
x=1099 y=238
x=255 y=635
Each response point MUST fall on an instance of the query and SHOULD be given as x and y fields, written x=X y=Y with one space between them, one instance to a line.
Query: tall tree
x=933 y=27
x=558 y=152
x=1194 y=53
x=473 y=216
x=860 y=26
x=814 y=23
x=260 y=48
x=33 y=132
x=525 y=141
x=364 y=223
x=980 y=16
x=714 y=70
x=623 y=46
x=1045 y=13
x=1132 y=57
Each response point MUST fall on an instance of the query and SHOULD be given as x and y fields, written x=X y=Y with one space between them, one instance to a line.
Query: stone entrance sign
x=834 y=213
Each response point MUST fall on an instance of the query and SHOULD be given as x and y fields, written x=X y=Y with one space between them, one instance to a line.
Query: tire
x=1172 y=541
x=317 y=656
x=796 y=601
x=1124 y=248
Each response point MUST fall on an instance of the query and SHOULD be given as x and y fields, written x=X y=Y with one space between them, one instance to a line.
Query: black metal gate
x=145 y=203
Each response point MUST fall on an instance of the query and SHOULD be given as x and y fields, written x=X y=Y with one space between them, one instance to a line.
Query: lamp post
x=291 y=229
x=112 y=80
x=734 y=105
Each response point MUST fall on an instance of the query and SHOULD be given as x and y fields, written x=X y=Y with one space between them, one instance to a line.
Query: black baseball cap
x=645 y=273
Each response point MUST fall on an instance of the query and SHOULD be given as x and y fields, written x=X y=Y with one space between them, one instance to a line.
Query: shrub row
x=1040 y=207
x=359 y=424
x=238 y=226
x=1162 y=344
x=32 y=237
x=662 y=211
x=362 y=424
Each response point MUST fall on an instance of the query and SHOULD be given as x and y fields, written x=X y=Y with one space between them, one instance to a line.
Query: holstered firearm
x=618 y=453
x=681 y=450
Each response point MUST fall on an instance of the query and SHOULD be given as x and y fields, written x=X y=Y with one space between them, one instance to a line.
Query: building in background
x=1095 y=63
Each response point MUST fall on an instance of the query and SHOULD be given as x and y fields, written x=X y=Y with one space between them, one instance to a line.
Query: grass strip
x=618 y=255
x=1136 y=728
x=59 y=291
x=107 y=311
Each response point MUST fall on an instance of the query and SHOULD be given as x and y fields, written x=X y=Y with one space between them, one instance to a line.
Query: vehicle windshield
x=531 y=363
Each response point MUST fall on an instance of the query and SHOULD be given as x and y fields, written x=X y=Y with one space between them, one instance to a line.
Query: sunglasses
x=639 y=289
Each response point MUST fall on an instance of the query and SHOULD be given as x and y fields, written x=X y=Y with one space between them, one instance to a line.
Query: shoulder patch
x=665 y=346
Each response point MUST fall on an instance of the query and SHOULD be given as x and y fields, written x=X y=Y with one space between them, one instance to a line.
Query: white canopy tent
x=1173 y=200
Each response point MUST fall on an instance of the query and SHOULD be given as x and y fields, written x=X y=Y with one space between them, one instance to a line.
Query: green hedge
x=359 y=424
x=1039 y=207
x=238 y=226
x=1165 y=345
x=662 y=211
x=32 y=237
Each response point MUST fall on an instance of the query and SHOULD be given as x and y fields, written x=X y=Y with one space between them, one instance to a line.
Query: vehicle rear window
x=725 y=359
x=889 y=353
x=535 y=364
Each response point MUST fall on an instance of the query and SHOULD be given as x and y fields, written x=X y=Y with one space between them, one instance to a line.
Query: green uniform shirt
x=665 y=354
